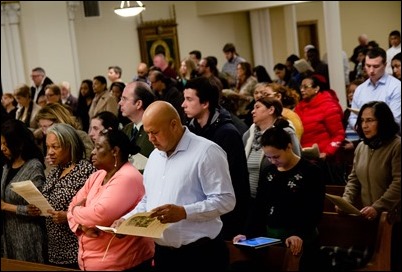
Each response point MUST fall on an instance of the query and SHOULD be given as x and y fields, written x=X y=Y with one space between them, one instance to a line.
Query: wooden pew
x=273 y=258
x=17 y=265
x=348 y=230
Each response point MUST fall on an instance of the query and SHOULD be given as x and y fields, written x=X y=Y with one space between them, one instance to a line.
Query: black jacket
x=221 y=130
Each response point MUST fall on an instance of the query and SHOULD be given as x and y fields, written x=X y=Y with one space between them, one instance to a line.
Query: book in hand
x=139 y=224
x=258 y=242
x=343 y=204
x=312 y=152
x=303 y=66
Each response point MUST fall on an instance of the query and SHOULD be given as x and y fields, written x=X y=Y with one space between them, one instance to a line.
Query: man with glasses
x=40 y=81
x=136 y=97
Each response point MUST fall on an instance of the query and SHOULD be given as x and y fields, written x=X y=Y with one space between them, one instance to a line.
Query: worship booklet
x=31 y=194
x=303 y=66
x=139 y=224
x=343 y=204
x=312 y=152
x=259 y=242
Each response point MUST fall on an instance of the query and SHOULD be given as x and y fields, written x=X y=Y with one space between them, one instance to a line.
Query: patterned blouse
x=63 y=244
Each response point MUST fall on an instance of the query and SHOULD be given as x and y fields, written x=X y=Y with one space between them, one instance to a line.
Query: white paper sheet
x=31 y=194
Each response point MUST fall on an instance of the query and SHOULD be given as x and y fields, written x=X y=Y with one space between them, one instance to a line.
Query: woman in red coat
x=321 y=115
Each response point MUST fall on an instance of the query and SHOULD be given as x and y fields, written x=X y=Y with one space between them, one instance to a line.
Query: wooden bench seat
x=272 y=258
x=17 y=265
x=346 y=231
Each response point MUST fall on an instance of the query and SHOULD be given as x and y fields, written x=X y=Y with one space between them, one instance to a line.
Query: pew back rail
x=348 y=230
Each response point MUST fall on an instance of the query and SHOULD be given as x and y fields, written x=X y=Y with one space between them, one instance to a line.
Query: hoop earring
x=115 y=161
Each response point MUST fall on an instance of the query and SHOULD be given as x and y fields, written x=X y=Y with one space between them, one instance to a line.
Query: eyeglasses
x=49 y=95
x=45 y=127
x=124 y=99
x=368 y=121
x=36 y=75
x=305 y=86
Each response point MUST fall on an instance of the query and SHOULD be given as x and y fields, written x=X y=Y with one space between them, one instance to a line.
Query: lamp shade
x=129 y=11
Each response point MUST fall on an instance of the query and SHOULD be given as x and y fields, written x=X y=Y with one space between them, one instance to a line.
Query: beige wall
x=112 y=40
x=376 y=19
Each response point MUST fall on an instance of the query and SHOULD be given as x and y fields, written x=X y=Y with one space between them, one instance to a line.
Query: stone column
x=12 y=66
x=71 y=8
x=261 y=36
x=333 y=37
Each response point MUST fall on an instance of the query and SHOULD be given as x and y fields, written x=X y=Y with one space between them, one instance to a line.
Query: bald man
x=142 y=73
x=187 y=184
x=363 y=43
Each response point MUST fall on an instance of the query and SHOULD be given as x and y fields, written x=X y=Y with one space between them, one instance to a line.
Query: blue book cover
x=259 y=242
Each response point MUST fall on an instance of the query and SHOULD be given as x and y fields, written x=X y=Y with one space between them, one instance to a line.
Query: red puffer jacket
x=322 y=122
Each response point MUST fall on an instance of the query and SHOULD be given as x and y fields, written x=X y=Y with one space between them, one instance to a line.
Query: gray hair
x=69 y=139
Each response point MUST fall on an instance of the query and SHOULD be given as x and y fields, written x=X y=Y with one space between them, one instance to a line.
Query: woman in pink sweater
x=108 y=194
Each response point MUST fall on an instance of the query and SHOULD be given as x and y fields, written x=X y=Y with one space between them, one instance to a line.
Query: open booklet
x=343 y=204
x=258 y=242
x=139 y=224
x=303 y=66
x=32 y=195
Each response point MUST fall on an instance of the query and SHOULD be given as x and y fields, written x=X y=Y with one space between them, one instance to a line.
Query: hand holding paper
x=139 y=224
x=31 y=194
x=343 y=204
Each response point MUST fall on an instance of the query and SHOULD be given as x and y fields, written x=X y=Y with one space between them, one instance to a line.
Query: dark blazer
x=141 y=139
x=72 y=101
x=46 y=82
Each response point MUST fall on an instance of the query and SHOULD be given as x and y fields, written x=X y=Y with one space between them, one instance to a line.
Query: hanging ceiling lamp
x=127 y=11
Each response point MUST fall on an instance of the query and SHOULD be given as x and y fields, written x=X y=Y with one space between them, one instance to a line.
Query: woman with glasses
x=65 y=151
x=321 y=115
x=53 y=94
x=108 y=194
x=375 y=179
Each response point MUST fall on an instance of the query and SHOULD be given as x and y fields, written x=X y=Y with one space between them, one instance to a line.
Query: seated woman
x=290 y=199
x=108 y=194
x=242 y=95
x=24 y=236
x=65 y=150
